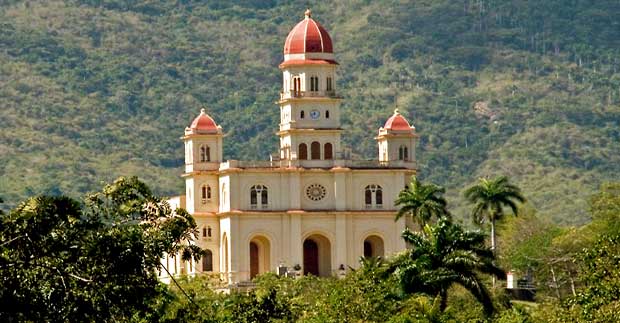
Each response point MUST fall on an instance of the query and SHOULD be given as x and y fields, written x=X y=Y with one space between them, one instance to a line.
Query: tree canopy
x=94 y=260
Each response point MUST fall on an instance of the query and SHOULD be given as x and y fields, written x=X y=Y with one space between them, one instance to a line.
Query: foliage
x=445 y=256
x=91 y=90
x=489 y=197
x=600 y=273
x=96 y=260
x=422 y=202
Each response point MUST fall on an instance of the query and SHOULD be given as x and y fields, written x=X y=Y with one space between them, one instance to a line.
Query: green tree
x=97 y=260
x=489 y=197
x=600 y=273
x=422 y=202
x=444 y=256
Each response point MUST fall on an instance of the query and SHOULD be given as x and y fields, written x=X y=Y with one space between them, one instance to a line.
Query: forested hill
x=94 y=89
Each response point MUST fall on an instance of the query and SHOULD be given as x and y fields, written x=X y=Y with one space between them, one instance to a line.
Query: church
x=310 y=208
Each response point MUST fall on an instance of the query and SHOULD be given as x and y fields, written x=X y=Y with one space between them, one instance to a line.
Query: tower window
x=315 y=150
x=205 y=193
x=296 y=86
x=303 y=152
x=302 y=114
x=403 y=153
x=258 y=193
x=204 y=232
x=326 y=114
x=329 y=84
x=373 y=196
x=209 y=231
x=314 y=83
x=328 y=151
x=205 y=153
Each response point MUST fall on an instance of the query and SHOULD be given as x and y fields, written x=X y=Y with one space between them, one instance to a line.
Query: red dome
x=203 y=123
x=308 y=36
x=397 y=123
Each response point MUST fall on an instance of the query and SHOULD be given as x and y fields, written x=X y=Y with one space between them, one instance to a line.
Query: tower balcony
x=284 y=95
x=319 y=163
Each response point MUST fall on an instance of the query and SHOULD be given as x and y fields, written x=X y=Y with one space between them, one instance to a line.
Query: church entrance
x=260 y=254
x=317 y=256
x=253 y=260
x=373 y=246
x=311 y=258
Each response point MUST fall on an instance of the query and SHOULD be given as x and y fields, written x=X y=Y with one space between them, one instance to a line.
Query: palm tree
x=422 y=201
x=446 y=255
x=490 y=196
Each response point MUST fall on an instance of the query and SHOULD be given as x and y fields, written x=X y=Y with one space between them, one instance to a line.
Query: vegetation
x=94 y=89
x=444 y=256
x=422 y=202
x=489 y=197
x=95 y=260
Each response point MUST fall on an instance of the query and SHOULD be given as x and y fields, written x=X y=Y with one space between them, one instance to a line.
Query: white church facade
x=310 y=207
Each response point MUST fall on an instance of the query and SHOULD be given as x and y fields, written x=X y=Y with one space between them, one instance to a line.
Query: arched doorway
x=373 y=246
x=260 y=253
x=317 y=256
x=207 y=261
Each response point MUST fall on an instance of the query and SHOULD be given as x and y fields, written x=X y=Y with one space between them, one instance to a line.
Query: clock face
x=315 y=114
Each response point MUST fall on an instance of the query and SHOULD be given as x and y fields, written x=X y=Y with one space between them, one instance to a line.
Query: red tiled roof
x=308 y=36
x=204 y=123
x=397 y=123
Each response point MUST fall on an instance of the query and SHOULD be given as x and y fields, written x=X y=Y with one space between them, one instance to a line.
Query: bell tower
x=203 y=155
x=309 y=106
x=397 y=141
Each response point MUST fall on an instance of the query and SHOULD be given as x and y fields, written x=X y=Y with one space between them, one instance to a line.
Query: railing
x=319 y=163
x=307 y=94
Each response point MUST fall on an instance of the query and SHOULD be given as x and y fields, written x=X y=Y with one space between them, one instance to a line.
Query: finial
x=202 y=111
x=308 y=13
x=396 y=111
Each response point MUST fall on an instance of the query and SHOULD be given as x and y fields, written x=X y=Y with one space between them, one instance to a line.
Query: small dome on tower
x=398 y=123
x=203 y=124
x=308 y=36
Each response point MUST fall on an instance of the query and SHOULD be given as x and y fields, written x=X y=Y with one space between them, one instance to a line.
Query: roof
x=203 y=123
x=398 y=123
x=308 y=36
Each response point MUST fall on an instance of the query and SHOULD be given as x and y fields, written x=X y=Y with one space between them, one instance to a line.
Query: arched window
x=373 y=196
x=205 y=193
x=204 y=232
x=302 y=114
x=207 y=261
x=314 y=83
x=209 y=232
x=329 y=84
x=403 y=153
x=296 y=86
x=205 y=153
x=258 y=196
x=303 y=152
x=328 y=151
x=315 y=150
x=326 y=114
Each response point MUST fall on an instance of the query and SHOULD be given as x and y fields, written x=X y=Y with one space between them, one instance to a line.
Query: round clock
x=315 y=114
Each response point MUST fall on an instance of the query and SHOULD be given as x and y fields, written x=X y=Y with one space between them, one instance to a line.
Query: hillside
x=94 y=89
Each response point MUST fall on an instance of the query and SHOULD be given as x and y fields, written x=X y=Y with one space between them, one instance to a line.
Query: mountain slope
x=90 y=90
